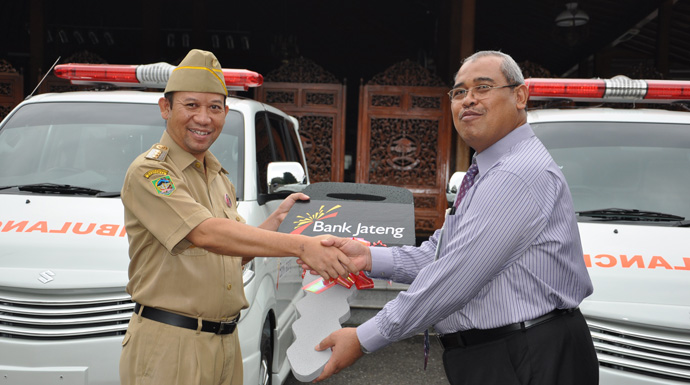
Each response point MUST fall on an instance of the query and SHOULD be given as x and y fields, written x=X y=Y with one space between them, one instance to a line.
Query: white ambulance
x=628 y=170
x=63 y=246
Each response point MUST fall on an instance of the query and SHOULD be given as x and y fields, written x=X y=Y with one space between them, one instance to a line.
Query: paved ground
x=399 y=363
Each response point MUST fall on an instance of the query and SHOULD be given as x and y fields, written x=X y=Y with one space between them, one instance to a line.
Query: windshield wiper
x=630 y=215
x=108 y=194
x=54 y=188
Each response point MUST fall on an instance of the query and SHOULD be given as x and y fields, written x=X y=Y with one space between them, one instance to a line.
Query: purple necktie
x=467 y=182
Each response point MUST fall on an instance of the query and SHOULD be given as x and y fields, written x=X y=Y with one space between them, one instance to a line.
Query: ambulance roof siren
x=619 y=89
x=146 y=75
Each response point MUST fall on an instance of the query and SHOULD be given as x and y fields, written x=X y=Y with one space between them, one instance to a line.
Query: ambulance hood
x=641 y=274
x=62 y=242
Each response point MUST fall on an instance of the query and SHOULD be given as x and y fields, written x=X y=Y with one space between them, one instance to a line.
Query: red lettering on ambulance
x=63 y=230
x=686 y=267
x=635 y=259
x=107 y=230
x=658 y=261
x=77 y=228
x=41 y=226
x=10 y=225
x=611 y=258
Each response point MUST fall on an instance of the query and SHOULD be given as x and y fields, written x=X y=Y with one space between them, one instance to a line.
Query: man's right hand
x=354 y=249
x=328 y=261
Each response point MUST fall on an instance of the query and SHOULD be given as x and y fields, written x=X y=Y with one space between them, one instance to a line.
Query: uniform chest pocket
x=233 y=215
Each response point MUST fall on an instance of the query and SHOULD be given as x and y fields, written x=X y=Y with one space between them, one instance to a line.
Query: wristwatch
x=363 y=349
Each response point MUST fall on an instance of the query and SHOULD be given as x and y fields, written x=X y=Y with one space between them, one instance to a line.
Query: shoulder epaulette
x=157 y=152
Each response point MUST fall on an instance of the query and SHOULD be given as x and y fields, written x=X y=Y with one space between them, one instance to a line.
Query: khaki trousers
x=157 y=353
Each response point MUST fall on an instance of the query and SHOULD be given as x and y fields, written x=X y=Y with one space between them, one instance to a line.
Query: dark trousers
x=558 y=352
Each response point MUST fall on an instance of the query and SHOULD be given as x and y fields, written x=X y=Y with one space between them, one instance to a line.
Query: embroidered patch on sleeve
x=164 y=185
x=157 y=171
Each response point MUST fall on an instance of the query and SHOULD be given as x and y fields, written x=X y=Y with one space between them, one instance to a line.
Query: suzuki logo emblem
x=46 y=276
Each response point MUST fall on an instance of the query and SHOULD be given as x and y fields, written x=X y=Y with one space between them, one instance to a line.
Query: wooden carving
x=403 y=151
x=6 y=67
x=301 y=70
x=404 y=138
x=314 y=96
x=406 y=73
x=317 y=138
x=11 y=88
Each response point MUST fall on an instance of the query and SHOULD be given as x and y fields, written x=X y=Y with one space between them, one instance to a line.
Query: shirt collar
x=489 y=157
x=184 y=159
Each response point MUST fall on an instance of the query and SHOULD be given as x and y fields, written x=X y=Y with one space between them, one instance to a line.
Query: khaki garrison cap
x=199 y=71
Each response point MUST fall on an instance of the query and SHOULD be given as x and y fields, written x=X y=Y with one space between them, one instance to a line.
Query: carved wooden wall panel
x=404 y=138
x=11 y=88
x=313 y=96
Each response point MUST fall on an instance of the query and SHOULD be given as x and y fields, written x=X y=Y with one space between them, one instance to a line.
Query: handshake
x=333 y=257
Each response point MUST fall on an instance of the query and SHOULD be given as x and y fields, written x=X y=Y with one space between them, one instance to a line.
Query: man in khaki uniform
x=187 y=243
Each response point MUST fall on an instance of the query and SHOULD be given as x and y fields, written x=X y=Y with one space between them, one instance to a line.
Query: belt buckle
x=226 y=327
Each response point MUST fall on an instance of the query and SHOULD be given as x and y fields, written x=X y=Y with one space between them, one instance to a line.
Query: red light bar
x=668 y=89
x=565 y=88
x=146 y=76
x=619 y=89
x=91 y=72
x=242 y=78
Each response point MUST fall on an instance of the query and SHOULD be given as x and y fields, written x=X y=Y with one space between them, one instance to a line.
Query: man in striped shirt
x=502 y=280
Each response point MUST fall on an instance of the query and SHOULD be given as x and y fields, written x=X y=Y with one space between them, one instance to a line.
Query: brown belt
x=479 y=336
x=179 y=320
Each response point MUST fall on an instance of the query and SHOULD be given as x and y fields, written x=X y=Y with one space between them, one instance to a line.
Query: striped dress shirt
x=510 y=253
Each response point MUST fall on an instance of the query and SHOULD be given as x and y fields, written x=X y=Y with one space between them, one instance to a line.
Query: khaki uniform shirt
x=166 y=194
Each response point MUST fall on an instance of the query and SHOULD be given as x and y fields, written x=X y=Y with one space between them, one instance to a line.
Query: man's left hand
x=345 y=351
x=276 y=218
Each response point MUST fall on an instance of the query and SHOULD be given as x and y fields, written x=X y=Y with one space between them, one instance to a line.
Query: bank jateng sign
x=374 y=213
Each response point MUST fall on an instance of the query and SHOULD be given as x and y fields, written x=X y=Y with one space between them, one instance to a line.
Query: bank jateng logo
x=350 y=229
x=303 y=222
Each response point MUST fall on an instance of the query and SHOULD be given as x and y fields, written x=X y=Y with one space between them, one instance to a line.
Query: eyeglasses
x=480 y=92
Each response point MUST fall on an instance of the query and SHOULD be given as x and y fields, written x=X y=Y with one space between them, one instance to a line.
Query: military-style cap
x=199 y=71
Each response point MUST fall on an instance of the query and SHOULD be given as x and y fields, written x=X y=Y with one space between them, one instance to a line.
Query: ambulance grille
x=64 y=318
x=657 y=353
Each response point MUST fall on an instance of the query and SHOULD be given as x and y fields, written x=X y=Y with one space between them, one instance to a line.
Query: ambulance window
x=294 y=145
x=229 y=150
x=276 y=141
x=627 y=165
x=81 y=144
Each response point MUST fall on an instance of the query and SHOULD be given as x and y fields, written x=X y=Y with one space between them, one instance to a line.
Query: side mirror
x=453 y=186
x=285 y=177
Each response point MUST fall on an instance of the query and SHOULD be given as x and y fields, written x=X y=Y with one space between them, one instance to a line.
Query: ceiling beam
x=662 y=37
x=456 y=40
x=36 y=44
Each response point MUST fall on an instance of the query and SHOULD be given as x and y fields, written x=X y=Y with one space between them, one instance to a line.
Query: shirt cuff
x=381 y=262
x=369 y=336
